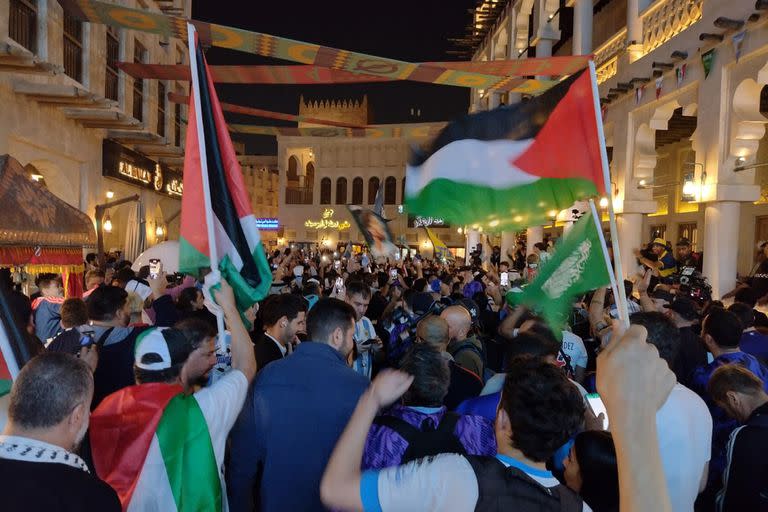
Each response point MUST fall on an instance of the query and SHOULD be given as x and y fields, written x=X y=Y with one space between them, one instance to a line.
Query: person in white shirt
x=367 y=343
x=683 y=423
x=633 y=382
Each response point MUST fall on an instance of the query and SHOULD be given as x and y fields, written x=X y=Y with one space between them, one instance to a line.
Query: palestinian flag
x=512 y=165
x=242 y=261
x=151 y=444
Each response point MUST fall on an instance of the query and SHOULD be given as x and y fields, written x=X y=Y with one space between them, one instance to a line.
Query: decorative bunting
x=413 y=131
x=738 y=43
x=680 y=73
x=603 y=111
x=639 y=92
x=659 y=81
x=707 y=58
x=297 y=74
x=305 y=53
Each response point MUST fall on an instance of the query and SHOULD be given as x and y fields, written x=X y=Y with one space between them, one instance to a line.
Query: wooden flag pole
x=621 y=298
x=212 y=249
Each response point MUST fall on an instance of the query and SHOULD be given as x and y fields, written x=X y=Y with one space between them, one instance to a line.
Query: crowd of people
x=389 y=384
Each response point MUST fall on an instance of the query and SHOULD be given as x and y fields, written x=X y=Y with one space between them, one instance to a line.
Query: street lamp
x=107 y=223
x=603 y=202
x=104 y=223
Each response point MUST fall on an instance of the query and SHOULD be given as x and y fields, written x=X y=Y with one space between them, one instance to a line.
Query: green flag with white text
x=578 y=265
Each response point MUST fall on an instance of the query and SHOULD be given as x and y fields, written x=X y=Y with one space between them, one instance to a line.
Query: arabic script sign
x=327 y=222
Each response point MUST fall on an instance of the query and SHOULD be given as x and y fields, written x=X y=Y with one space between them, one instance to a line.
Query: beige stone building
x=321 y=175
x=689 y=161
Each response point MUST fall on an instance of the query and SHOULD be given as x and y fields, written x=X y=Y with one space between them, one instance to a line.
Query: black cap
x=421 y=303
x=471 y=306
x=685 y=307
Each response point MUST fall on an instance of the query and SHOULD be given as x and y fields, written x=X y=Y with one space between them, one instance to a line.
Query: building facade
x=682 y=86
x=321 y=175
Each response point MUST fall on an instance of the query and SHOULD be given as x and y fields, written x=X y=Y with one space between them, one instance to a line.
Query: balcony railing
x=301 y=195
x=666 y=18
x=22 y=24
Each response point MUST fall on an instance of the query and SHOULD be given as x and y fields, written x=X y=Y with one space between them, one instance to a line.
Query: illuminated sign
x=417 y=221
x=267 y=224
x=121 y=163
x=326 y=222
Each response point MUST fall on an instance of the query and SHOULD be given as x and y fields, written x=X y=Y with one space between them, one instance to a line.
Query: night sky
x=415 y=31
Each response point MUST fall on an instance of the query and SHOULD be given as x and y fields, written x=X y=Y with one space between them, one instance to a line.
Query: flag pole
x=212 y=249
x=621 y=298
x=604 y=246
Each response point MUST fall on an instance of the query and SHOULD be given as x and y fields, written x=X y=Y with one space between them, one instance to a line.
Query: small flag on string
x=659 y=81
x=603 y=111
x=680 y=73
x=639 y=92
x=707 y=58
x=738 y=43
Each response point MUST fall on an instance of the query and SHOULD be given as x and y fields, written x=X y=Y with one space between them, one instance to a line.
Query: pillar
x=507 y=245
x=721 y=243
x=473 y=240
x=534 y=235
x=582 y=27
x=493 y=100
x=634 y=30
x=630 y=227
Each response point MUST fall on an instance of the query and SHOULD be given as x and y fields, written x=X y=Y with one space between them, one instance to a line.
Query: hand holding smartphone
x=596 y=405
x=155 y=268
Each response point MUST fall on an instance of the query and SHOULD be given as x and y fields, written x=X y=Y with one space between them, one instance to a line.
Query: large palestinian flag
x=242 y=261
x=512 y=165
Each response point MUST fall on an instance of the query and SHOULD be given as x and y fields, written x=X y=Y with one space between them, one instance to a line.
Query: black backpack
x=468 y=345
x=426 y=441
x=502 y=488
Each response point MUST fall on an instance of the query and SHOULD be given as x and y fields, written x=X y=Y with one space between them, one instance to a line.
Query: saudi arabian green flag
x=577 y=266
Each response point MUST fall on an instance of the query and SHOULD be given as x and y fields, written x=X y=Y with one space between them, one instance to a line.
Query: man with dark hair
x=20 y=305
x=379 y=299
x=47 y=420
x=47 y=307
x=527 y=433
x=367 y=343
x=748 y=296
x=283 y=317
x=422 y=425
x=685 y=257
x=294 y=415
x=160 y=444
x=752 y=341
x=109 y=313
x=691 y=354
x=740 y=393
x=721 y=332
x=77 y=332
x=683 y=423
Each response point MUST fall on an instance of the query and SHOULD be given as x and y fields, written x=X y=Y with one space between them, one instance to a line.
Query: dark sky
x=414 y=31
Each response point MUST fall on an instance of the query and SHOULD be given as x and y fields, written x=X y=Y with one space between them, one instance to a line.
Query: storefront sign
x=131 y=167
x=267 y=224
x=327 y=222
x=417 y=221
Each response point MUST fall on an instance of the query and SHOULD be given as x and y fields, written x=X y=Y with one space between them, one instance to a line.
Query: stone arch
x=325 y=191
x=293 y=169
x=357 y=191
x=522 y=24
x=645 y=152
x=390 y=190
x=500 y=44
x=309 y=175
x=373 y=189
x=748 y=125
x=341 y=190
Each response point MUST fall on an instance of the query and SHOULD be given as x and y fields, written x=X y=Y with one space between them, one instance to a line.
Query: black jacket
x=746 y=475
x=266 y=350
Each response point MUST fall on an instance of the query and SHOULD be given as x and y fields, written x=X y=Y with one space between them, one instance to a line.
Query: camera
x=693 y=284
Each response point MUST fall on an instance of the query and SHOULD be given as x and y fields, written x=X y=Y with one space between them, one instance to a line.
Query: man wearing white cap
x=160 y=444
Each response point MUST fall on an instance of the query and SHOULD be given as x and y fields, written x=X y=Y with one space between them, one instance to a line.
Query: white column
x=630 y=227
x=493 y=100
x=473 y=239
x=507 y=244
x=534 y=235
x=634 y=23
x=721 y=242
x=582 y=27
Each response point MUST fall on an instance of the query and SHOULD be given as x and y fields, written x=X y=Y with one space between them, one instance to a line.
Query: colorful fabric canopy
x=297 y=51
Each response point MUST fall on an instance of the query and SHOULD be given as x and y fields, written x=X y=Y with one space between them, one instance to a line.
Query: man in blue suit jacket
x=295 y=412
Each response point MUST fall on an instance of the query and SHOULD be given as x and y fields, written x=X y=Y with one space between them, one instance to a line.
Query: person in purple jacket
x=421 y=425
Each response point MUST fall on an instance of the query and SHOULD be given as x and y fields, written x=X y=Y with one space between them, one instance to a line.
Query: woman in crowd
x=591 y=470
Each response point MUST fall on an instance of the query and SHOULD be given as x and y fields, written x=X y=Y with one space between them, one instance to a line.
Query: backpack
x=502 y=488
x=426 y=441
x=468 y=345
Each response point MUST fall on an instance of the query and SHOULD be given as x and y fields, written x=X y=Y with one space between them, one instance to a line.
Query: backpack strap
x=103 y=338
x=402 y=427
x=448 y=422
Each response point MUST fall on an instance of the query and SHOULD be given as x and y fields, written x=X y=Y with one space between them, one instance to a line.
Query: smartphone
x=337 y=264
x=339 y=283
x=393 y=273
x=155 y=267
x=597 y=406
x=504 y=279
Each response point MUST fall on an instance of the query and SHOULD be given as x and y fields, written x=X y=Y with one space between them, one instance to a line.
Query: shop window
x=390 y=190
x=73 y=47
x=112 y=83
x=22 y=23
x=325 y=191
x=690 y=231
x=138 y=83
x=161 y=109
x=357 y=191
x=341 y=191
x=373 y=189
